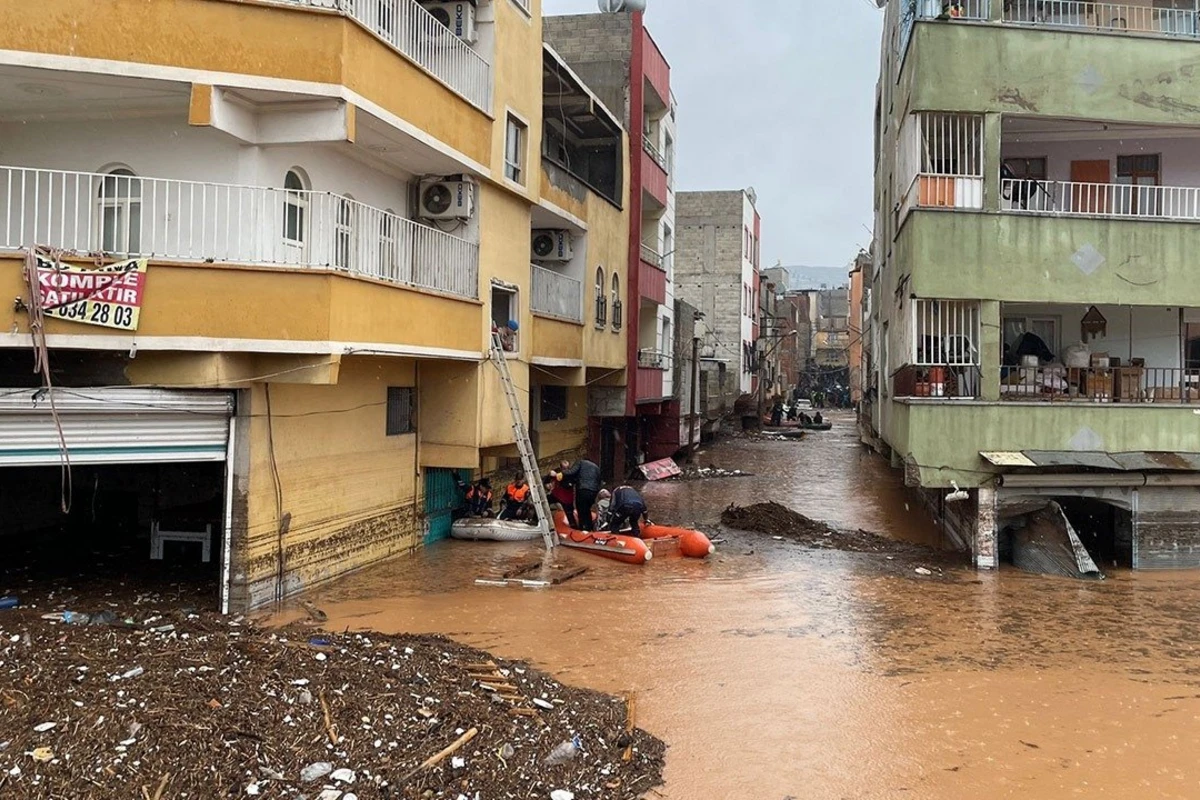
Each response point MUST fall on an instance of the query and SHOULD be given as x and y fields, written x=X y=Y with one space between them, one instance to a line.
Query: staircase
x=521 y=434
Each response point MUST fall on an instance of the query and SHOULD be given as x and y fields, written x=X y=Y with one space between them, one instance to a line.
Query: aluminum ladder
x=524 y=445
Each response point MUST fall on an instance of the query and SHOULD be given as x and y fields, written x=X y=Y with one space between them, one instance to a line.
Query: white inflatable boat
x=494 y=530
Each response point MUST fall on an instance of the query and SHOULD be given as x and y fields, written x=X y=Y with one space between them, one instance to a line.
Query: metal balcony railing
x=654 y=153
x=1100 y=199
x=557 y=295
x=122 y=215
x=651 y=358
x=953 y=9
x=1103 y=17
x=415 y=33
x=1160 y=385
x=652 y=256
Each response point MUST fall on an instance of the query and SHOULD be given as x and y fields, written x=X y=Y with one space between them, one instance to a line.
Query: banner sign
x=110 y=296
x=657 y=470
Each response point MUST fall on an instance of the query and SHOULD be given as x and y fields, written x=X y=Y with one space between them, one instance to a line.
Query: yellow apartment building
x=264 y=245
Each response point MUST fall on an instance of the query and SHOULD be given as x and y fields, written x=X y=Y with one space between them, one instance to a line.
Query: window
x=343 y=233
x=668 y=248
x=553 y=403
x=505 y=317
x=514 y=150
x=1136 y=172
x=1026 y=168
x=601 y=302
x=617 y=305
x=120 y=208
x=669 y=153
x=401 y=410
x=1015 y=327
x=295 y=209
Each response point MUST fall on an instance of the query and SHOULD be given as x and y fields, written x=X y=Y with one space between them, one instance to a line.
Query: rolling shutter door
x=1167 y=528
x=114 y=426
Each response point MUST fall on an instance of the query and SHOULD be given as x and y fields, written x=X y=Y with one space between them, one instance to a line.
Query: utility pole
x=695 y=392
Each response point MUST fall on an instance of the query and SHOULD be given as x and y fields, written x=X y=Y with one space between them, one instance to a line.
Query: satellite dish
x=616 y=6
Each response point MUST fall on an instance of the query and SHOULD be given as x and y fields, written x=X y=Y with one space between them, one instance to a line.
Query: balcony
x=417 y=35
x=654 y=180
x=122 y=216
x=1101 y=384
x=557 y=295
x=1108 y=200
x=1123 y=18
x=651 y=358
x=655 y=154
x=652 y=257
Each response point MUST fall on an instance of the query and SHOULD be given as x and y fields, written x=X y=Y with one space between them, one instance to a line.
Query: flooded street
x=776 y=671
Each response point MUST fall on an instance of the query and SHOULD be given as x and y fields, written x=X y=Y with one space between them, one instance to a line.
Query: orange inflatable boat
x=692 y=544
x=627 y=549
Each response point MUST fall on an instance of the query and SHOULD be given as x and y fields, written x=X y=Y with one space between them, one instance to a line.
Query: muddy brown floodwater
x=775 y=671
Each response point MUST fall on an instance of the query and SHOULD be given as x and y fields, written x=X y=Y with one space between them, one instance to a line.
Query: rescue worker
x=584 y=477
x=516 y=500
x=564 y=495
x=479 y=499
x=627 y=505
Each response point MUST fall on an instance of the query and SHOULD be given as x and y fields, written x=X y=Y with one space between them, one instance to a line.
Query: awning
x=1137 y=461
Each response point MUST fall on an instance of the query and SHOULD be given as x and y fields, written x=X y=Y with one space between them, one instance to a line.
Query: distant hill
x=802 y=277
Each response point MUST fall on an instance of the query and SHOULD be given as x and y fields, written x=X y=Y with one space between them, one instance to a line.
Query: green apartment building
x=1033 y=314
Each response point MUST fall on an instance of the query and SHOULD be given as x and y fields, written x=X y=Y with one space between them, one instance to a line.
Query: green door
x=442 y=498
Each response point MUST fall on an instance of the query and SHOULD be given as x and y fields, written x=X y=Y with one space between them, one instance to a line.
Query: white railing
x=1100 y=199
x=126 y=215
x=1103 y=17
x=557 y=295
x=949 y=9
x=652 y=358
x=940 y=161
x=654 y=153
x=652 y=256
x=418 y=35
x=947 y=333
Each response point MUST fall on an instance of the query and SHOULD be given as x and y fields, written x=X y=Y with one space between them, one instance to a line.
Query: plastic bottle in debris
x=76 y=618
x=564 y=752
x=9 y=602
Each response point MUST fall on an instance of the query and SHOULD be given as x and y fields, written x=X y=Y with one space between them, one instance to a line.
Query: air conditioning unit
x=552 y=246
x=457 y=15
x=446 y=199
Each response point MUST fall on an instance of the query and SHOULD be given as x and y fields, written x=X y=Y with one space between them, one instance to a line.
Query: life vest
x=519 y=495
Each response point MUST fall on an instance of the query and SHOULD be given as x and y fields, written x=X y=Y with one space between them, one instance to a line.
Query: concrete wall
x=151 y=148
x=599 y=47
x=351 y=490
x=713 y=273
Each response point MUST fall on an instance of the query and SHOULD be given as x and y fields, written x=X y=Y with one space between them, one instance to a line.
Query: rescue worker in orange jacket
x=479 y=499
x=517 y=500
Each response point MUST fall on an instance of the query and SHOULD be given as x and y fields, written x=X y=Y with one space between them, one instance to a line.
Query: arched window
x=617 y=305
x=120 y=210
x=343 y=233
x=295 y=208
x=601 y=300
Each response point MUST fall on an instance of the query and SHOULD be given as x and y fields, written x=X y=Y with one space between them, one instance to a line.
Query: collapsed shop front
x=1132 y=510
x=142 y=499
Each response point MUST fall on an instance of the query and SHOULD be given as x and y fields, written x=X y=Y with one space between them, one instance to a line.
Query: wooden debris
x=438 y=757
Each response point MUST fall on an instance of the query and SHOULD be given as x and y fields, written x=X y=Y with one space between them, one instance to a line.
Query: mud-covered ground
x=166 y=704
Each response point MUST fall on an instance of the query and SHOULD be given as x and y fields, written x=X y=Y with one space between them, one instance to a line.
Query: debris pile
x=703 y=473
x=782 y=522
x=198 y=706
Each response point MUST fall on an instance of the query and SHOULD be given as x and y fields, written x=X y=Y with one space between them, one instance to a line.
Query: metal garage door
x=114 y=426
x=1167 y=528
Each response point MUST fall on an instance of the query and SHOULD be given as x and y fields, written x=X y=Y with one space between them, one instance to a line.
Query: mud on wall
x=322 y=489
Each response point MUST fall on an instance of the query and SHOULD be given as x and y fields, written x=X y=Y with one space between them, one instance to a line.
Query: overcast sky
x=778 y=95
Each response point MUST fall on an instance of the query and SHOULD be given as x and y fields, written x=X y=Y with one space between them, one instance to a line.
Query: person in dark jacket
x=584 y=477
x=627 y=505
